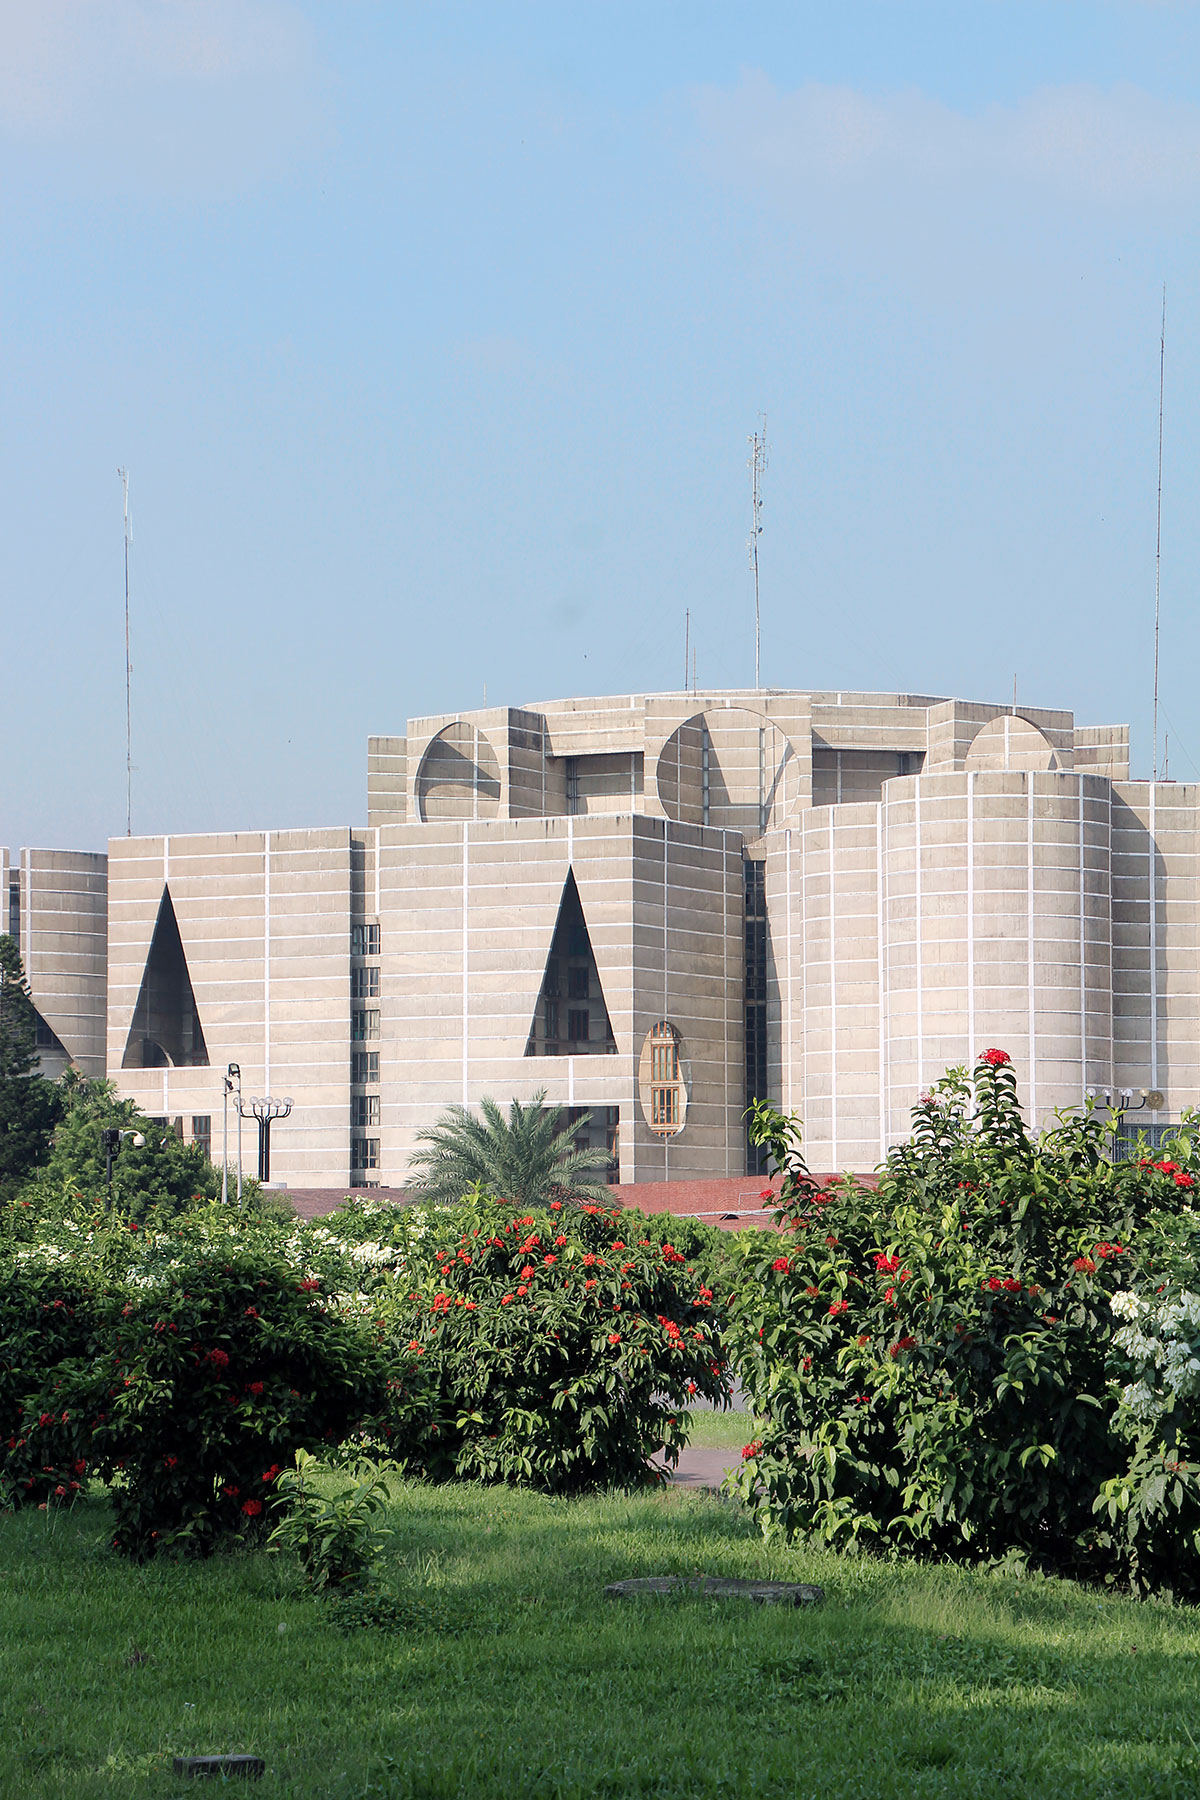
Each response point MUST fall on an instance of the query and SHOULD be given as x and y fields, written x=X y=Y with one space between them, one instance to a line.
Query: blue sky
x=432 y=337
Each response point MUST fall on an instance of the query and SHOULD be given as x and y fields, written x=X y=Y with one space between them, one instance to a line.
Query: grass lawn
x=721 y=1431
x=511 y=1675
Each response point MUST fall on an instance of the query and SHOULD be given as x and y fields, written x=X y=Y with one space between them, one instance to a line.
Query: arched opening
x=1011 y=742
x=459 y=777
x=730 y=768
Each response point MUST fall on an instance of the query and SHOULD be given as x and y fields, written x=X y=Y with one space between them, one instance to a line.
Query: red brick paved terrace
x=732 y=1202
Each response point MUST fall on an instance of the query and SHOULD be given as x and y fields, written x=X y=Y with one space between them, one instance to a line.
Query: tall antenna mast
x=1162 y=367
x=687 y=627
x=124 y=474
x=758 y=465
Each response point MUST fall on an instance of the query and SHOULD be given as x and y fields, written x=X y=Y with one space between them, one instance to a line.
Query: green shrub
x=203 y=1373
x=48 y=1321
x=933 y=1359
x=336 y=1536
x=560 y=1348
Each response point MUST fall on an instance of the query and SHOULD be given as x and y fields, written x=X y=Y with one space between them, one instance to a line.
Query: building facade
x=653 y=907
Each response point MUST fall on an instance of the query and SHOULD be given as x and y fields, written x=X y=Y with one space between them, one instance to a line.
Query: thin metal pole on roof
x=758 y=465
x=124 y=474
x=1162 y=367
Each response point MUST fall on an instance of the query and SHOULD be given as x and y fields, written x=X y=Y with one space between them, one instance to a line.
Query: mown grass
x=713 y=1430
x=508 y=1673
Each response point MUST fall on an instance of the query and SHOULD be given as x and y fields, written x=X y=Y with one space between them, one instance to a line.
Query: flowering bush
x=933 y=1360
x=186 y=1381
x=186 y=1357
x=562 y=1347
x=48 y=1321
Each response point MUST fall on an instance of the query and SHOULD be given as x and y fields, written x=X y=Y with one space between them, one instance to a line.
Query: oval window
x=661 y=1085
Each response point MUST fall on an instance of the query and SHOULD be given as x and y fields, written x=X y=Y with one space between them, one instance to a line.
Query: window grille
x=364 y=1067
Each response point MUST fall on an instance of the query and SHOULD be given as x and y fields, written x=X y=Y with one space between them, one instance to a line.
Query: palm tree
x=525 y=1157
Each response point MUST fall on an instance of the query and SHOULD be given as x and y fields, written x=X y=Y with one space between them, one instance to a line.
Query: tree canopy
x=29 y=1104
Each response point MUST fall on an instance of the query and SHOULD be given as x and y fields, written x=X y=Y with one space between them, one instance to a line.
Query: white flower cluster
x=375 y=1255
x=1163 y=1342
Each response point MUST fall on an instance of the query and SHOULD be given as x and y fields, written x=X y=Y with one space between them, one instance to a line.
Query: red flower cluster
x=1104 y=1251
x=996 y=1059
x=838 y=1306
x=252 y=1508
x=904 y=1343
x=219 y=1359
x=995 y=1285
x=887 y=1265
x=751 y=1449
x=1083 y=1265
x=781 y=1265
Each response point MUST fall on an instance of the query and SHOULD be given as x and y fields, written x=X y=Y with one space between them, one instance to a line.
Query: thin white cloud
x=188 y=87
x=1115 y=147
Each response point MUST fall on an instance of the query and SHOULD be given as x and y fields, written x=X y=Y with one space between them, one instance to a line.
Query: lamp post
x=232 y=1072
x=266 y=1111
x=110 y=1143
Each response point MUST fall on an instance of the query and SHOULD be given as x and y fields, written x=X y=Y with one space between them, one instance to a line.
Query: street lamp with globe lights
x=266 y=1111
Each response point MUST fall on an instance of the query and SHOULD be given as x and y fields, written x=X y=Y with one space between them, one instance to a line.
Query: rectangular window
x=664 y=1106
x=43 y=1037
x=577 y=1026
x=364 y=940
x=202 y=1131
x=364 y=1110
x=364 y=983
x=577 y=984
x=364 y=1023
x=551 y=1013
x=550 y=984
x=364 y=1067
x=364 y=1153
x=664 y=1062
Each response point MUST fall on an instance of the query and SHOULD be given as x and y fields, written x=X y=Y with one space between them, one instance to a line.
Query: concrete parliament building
x=651 y=906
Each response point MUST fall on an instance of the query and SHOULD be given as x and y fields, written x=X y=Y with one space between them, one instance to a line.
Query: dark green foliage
x=561 y=1348
x=49 y=1321
x=526 y=1158
x=187 y=1395
x=933 y=1359
x=164 y=1174
x=29 y=1105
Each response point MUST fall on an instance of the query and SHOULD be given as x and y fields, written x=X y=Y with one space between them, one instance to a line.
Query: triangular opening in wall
x=571 y=1016
x=47 y=1040
x=166 y=1032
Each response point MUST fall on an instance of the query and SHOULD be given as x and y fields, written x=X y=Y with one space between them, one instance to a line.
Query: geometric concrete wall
x=57 y=900
x=938 y=875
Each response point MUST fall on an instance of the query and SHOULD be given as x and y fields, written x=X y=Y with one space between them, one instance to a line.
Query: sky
x=432 y=337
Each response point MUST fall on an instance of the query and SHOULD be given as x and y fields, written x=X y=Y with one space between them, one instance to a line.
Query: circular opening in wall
x=1010 y=742
x=459 y=777
x=661 y=1085
x=730 y=768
